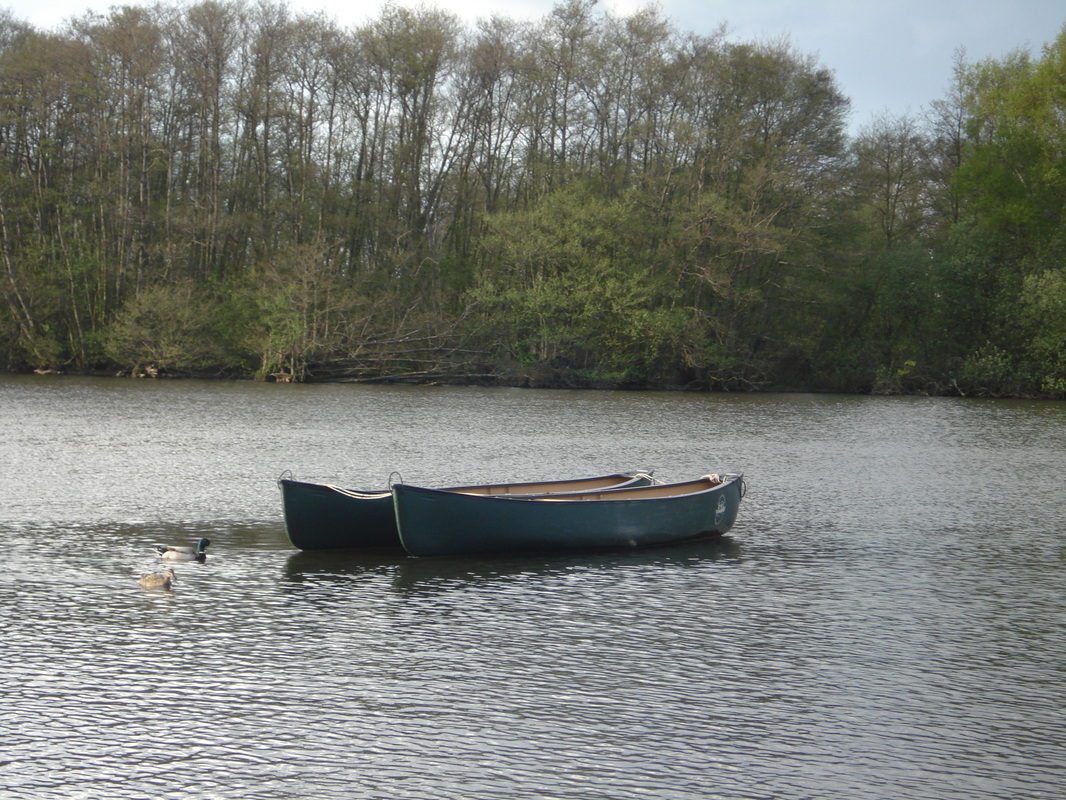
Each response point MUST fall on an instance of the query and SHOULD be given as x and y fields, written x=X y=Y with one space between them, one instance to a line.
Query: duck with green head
x=184 y=552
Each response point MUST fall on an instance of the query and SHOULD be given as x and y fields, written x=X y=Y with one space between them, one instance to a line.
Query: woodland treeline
x=586 y=200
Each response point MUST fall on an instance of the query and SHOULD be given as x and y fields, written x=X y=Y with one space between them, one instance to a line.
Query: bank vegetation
x=226 y=188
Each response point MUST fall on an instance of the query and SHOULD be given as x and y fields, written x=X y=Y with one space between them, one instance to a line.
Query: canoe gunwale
x=662 y=491
x=658 y=491
x=612 y=482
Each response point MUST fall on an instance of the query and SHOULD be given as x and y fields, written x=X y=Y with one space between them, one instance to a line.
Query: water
x=886 y=620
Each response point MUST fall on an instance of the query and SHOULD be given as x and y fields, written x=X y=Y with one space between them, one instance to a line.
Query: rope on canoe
x=358 y=494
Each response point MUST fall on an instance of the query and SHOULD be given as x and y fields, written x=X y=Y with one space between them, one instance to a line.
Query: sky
x=890 y=57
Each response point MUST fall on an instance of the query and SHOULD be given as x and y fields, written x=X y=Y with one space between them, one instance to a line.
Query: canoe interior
x=555 y=487
x=647 y=492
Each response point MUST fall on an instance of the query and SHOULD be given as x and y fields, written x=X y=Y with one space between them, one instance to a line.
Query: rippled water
x=886 y=620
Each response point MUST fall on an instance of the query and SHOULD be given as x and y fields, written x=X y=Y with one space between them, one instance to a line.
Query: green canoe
x=319 y=516
x=435 y=523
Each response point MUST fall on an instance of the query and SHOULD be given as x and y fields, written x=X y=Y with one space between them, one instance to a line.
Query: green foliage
x=990 y=371
x=591 y=200
x=175 y=329
x=573 y=285
x=878 y=336
x=34 y=313
x=1014 y=174
x=1002 y=287
x=1044 y=323
x=300 y=308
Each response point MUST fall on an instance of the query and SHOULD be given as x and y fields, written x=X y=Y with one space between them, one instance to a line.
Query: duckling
x=184 y=552
x=155 y=580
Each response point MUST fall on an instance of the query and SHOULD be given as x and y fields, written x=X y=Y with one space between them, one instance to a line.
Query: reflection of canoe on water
x=435 y=575
x=319 y=516
x=433 y=522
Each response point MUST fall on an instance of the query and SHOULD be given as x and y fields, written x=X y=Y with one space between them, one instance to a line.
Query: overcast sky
x=889 y=56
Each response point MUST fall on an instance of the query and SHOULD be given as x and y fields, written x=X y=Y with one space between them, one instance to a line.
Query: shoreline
x=565 y=382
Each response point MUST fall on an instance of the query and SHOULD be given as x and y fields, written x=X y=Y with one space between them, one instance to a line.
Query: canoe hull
x=434 y=523
x=319 y=516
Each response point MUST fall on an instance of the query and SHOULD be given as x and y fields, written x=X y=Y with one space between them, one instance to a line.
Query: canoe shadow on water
x=411 y=575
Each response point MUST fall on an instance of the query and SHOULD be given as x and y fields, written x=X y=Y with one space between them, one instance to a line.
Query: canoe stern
x=319 y=517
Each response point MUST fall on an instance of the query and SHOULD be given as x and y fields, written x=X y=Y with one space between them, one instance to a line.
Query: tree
x=890 y=180
x=571 y=288
x=1012 y=182
x=764 y=181
x=175 y=329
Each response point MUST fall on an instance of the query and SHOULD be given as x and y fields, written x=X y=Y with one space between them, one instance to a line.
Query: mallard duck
x=184 y=552
x=156 y=580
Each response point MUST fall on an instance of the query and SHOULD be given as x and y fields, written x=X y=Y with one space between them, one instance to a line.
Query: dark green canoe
x=435 y=523
x=319 y=516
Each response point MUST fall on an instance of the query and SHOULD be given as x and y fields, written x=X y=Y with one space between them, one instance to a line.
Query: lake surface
x=887 y=619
